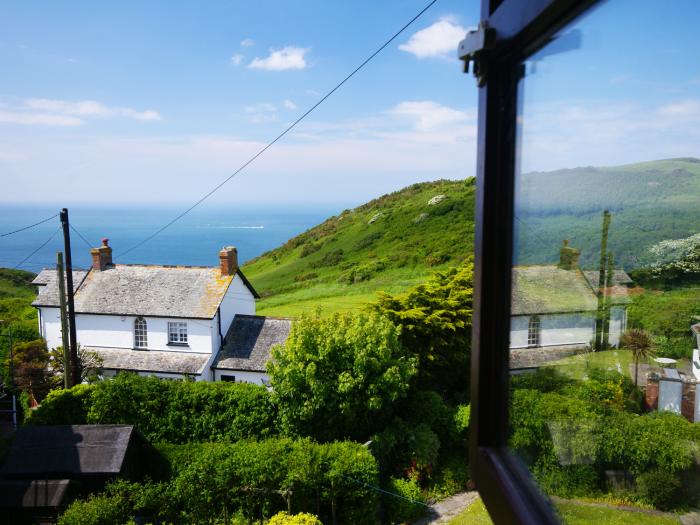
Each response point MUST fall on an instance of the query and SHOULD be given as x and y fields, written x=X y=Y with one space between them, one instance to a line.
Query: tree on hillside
x=640 y=343
x=339 y=377
x=436 y=320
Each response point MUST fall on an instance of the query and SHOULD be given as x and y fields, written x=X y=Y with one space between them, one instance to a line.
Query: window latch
x=473 y=49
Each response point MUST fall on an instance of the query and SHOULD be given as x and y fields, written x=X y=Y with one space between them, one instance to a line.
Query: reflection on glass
x=605 y=312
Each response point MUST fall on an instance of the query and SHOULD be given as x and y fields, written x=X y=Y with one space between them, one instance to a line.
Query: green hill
x=649 y=201
x=395 y=241
x=390 y=244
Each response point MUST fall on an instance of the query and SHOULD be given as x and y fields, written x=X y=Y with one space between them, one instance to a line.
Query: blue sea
x=194 y=240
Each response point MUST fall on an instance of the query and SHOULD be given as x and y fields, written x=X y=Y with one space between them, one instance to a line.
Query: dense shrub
x=282 y=518
x=339 y=377
x=174 y=411
x=210 y=482
x=461 y=419
x=63 y=407
x=658 y=487
x=97 y=510
x=407 y=506
x=309 y=248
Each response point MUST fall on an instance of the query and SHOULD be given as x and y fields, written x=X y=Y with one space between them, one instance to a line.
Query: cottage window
x=533 y=331
x=140 y=333
x=177 y=333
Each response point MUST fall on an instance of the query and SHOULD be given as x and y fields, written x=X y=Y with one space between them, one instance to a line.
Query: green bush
x=63 y=407
x=406 y=507
x=210 y=481
x=173 y=411
x=660 y=488
x=461 y=419
x=282 y=518
x=97 y=510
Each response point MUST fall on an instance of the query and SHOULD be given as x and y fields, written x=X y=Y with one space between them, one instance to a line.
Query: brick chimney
x=228 y=259
x=568 y=257
x=102 y=256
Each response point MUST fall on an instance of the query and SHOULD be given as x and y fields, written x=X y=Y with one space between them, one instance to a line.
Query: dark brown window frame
x=518 y=29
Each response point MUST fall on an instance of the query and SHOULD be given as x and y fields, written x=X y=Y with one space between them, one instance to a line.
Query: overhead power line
x=30 y=226
x=89 y=245
x=39 y=248
x=282 y=134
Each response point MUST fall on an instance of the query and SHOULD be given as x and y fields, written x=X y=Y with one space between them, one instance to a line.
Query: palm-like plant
x=641 y=344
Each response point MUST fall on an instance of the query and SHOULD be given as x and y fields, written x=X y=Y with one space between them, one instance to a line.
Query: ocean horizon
x=196 y=239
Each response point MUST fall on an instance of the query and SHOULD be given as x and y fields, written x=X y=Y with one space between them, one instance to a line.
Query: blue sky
x=158 y=102
x=135 y=102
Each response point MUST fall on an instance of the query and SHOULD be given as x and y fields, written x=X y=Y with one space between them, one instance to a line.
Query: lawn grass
x=576 y=366
x=574 y=514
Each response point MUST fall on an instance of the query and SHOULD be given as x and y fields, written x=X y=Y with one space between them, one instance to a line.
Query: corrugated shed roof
x=249 y=340
x=158 y=291
x=68 y=450
x=47 y=282
x=151 y=360
x=549 y=289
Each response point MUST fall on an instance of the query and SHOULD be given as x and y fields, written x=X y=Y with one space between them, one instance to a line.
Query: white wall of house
x=566 y=329
x=242 y=376
x=555 y=329
x=238 y=300
x=114 y=331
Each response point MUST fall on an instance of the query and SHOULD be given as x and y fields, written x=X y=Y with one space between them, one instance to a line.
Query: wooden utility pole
x=61 y=276
x=599 y=322
x=608 y=283
x=75 y=375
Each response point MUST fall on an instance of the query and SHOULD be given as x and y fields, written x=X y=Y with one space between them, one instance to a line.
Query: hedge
x=212 y=482
x=173 y=411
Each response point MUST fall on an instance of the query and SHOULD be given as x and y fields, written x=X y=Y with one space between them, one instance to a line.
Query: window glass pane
x=605 y=310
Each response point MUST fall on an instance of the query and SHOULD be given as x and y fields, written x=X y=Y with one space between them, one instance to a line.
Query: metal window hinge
x=474 y=48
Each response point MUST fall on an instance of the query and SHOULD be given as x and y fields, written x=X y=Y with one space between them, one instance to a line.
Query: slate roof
x=549 y=290
x=151 y=360
x=35 y=493
x=48 y=286
x=249 y=340
x=39 y=451
x=157 y=291
x=619 y=277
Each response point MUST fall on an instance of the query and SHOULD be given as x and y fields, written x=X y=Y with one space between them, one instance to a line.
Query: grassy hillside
x=390 y=244
x=16 y=295
x=649 y=201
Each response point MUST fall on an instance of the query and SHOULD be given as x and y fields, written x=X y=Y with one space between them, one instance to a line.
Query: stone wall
x=533 y=357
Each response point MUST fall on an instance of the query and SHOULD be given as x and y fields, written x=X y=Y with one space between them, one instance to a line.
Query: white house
x=554 y=309
x=167 y=321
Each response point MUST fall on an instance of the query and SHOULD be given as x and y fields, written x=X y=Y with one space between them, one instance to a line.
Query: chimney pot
x=102 y=256
x=568 y=257
x=228 y=260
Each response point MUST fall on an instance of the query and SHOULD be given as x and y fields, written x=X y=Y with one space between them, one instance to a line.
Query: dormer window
x=177 y=333
x=140 y=333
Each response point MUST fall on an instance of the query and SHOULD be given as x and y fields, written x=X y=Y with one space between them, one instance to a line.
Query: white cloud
x=237 y=59
x=247 y=42
x=428 y=115
x=312 y=92
x=289 y=104
x=41 y=119
x=260 y=108
x=261 y=113
x=88 y=108
x=287 y=58
x=438 y=40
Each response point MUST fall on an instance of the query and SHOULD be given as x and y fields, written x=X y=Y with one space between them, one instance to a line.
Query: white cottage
x=167 y=321
x=554 y=308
